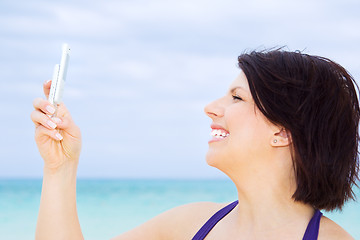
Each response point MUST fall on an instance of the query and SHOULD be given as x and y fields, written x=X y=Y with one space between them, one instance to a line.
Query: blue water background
x=107 y=208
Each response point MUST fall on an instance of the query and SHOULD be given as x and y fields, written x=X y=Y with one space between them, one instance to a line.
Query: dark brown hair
x=315 y=100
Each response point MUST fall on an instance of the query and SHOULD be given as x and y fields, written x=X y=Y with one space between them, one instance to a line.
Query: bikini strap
x=206 y=228
x=312 y=230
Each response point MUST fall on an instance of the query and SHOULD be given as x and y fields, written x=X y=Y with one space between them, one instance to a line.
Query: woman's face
x=246 y=133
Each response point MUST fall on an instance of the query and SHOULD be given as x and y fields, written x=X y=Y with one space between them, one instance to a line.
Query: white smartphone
x=59 y=77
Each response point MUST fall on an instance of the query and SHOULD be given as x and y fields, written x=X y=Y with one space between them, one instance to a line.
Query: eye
x=235 y=97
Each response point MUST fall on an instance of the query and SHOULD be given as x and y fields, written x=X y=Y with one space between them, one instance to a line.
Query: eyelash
x=237 y=98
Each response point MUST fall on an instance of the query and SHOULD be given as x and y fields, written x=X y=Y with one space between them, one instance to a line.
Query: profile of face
x=246 y=137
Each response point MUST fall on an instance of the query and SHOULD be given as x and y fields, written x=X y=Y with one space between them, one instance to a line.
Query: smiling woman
x=286 y=134
x=314 y=99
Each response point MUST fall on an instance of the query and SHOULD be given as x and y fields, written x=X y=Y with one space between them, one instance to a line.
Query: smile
x=218 y=134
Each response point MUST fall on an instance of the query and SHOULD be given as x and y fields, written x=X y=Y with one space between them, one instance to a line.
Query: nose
x=214 y=109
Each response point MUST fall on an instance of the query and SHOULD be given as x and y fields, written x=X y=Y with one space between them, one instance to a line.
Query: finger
x=66 y=124
x=46 y=87
x=42 y=131
x=64 y=120
x=43 y=105
x=62 y=123
x=39 y=118
x=62 y=112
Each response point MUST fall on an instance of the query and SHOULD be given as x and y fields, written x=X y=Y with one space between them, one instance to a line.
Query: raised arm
x=58 y=217
x=59 y=143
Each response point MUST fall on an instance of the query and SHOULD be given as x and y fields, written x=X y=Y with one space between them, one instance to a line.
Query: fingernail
x=50 y=109
x=47 y=81
x=51 y=124
x=57 y=120
x=58 y=136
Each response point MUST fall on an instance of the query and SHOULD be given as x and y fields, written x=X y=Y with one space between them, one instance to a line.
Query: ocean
x=108 y=207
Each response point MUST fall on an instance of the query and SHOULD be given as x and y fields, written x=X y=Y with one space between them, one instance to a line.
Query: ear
x=281 y=138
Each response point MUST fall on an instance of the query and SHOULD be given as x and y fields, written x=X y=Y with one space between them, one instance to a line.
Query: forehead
x=240 y=82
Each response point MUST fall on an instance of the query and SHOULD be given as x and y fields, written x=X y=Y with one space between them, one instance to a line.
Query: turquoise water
x=109 y=207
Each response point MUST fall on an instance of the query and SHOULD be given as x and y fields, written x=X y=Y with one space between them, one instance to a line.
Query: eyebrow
x=234 y=88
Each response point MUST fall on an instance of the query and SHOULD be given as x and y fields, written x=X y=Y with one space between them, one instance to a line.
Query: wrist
x=67 y=169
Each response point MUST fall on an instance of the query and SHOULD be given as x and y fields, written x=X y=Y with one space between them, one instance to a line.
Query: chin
x=213 y=159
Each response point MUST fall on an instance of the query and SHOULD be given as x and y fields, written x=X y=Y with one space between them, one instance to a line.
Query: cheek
x=246 y=143
x=248 y=136
x=228 y=151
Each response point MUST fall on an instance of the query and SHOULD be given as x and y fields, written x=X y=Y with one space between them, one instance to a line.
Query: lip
x=217 y=126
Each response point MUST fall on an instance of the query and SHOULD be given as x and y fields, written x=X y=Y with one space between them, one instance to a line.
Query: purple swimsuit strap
x=206 y=228
x=311 y=232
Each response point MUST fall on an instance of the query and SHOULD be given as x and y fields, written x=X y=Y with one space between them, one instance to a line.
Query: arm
x=178 y=223
x=57 y=214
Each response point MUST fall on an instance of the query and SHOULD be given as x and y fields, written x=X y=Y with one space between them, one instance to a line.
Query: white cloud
x=158 y=61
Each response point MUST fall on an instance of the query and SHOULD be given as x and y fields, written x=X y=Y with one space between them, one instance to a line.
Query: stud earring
x=275 y=141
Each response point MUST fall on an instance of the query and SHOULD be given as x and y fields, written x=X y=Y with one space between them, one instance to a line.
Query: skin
x=260 y=169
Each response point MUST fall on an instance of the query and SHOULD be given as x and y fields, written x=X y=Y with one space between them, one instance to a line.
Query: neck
x=266 y=207
x=269 y=209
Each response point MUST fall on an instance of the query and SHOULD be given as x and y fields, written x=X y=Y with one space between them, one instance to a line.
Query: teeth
x=218 y=133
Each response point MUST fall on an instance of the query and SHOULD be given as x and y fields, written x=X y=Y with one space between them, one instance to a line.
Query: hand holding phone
x=59 y=77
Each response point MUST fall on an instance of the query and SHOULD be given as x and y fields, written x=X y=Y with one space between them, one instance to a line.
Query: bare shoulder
x=187 y=219
x=178 y=223
x=329 y=230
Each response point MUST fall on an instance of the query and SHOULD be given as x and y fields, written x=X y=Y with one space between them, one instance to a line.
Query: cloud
x=158 y=62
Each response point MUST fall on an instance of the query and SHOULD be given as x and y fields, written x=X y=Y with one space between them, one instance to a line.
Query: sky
x=141 y=73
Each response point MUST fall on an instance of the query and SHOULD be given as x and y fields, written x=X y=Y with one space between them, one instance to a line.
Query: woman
x=286 y=133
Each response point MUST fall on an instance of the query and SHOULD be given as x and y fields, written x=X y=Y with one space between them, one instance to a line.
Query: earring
x=275 y=141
